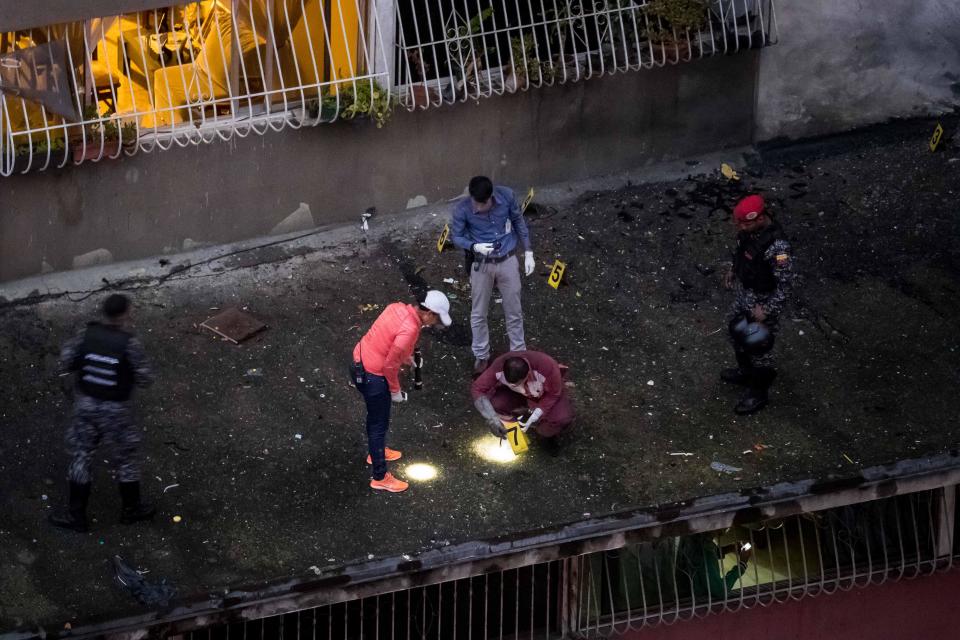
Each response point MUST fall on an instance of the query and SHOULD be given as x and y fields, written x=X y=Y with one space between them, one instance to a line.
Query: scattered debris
x=147 y=593
x=177 y=518
x=368 y=307
x=848 y=459
x=724 y=468
x=315 y=569
x=728 y=172
x=680 y=453
x=366 y=215
x=233 y=325
x=169 y=486
x=650 y=383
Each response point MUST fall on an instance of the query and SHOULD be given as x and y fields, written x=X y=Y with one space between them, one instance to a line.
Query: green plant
x=116 y=130
x=41 y=147
x=679 y=15
x=111 y=129
x=363 y=98
x=525 y=61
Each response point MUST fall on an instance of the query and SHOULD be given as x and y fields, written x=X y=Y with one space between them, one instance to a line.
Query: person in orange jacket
x=377 y=359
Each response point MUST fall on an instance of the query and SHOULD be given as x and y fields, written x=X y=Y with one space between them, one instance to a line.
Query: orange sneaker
x=389 y=454
x=389 y=483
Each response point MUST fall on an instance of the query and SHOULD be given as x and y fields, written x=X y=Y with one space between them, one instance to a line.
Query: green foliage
x=111 y=128
x=682 y=15
x=41 y=146
x=525 y=61
x=365 y=98
x=477 y=21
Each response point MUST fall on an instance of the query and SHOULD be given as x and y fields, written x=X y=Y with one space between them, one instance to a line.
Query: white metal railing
x=214 y=69
x=454 y=50
x=676 y=579
x=192 y=73
x=663 y=581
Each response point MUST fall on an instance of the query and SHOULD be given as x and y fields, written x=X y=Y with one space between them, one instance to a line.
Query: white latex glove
x=529 y=264
x=536 y=415
x=398 y=396
x=483 y=248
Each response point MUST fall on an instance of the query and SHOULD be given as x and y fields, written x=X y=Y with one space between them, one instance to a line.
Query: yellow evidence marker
x=527 y=200
x=935 y=139
x=515 y=436
x=556 y=273
x=443 y=238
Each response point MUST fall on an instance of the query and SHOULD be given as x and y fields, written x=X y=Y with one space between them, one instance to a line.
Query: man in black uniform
x=107 y=362
x=763 y=273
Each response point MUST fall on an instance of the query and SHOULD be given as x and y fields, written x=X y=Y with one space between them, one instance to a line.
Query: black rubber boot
x=739 y=374
x=133 y=510
x=75 y=518
x=757 y=397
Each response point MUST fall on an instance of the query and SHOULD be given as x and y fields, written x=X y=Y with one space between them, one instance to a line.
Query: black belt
x=497 y=260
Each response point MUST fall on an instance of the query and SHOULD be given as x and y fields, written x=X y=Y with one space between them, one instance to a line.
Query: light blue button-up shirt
x=503 y=224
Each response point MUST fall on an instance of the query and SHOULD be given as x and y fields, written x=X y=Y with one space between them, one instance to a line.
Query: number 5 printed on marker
x=556 y=274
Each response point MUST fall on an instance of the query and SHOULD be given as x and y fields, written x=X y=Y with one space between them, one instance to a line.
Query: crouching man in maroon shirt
x=527 y=385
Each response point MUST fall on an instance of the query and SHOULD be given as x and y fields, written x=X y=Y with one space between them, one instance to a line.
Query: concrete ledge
x=92 y=276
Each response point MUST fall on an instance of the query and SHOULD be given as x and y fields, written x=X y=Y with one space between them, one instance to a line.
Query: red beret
x=749 y=208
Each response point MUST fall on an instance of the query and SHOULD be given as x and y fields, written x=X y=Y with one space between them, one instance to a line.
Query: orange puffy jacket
x=389 y=343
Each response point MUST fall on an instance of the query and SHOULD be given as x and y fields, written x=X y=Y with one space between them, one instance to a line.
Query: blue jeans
x=376 y=393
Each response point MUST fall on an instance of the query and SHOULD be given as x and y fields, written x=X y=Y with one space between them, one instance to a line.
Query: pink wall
x=927 y=608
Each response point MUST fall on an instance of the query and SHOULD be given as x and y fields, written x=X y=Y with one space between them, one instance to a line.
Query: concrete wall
x=151 y=203
x=844 y=63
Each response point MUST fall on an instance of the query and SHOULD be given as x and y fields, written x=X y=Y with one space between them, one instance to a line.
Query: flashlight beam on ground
x=421 y=472
x=494 y=449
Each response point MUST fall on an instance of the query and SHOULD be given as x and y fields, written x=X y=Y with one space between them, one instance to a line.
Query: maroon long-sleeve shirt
x=542 y=388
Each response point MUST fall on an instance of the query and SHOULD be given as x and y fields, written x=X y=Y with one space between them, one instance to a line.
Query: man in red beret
x=762 y=275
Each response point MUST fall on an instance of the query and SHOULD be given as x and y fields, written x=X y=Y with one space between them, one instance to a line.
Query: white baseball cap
x=438 y=303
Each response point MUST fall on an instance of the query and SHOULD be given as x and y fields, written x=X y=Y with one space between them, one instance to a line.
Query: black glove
x=496 y=427
x=490 y=415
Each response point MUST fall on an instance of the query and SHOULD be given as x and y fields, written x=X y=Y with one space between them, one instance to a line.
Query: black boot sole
x=71 y=525
x=734 y=376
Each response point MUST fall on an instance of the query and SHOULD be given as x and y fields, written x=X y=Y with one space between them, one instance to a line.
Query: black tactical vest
x=749 y=264
x=103 y=371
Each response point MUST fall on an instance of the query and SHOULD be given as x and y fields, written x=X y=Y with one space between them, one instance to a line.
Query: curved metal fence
x=214 y=69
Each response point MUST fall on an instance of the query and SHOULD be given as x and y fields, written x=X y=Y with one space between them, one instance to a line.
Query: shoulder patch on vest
x=782 y=259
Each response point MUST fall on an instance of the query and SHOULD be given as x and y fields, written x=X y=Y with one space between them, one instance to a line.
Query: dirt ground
x=267 y=473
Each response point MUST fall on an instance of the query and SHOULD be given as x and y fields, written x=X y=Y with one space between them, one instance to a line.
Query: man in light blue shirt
x=489 y=223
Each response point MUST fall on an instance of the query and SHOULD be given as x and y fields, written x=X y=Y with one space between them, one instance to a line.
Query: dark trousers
x=376 y=393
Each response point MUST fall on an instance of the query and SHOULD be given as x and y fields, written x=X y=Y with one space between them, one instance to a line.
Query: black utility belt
x=495 y=260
